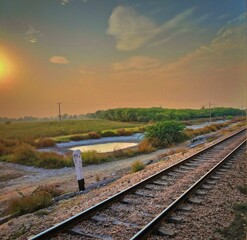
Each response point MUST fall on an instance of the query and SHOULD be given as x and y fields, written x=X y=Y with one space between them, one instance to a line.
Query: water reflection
x=105 y=147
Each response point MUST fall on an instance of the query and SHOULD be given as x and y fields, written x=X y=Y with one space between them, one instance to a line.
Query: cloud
x=58 y=60
x=136 y=63
x=225 y=49
x=32 y=34
x=132 y=30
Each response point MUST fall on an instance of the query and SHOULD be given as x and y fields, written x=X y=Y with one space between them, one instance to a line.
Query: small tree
x=165 y=133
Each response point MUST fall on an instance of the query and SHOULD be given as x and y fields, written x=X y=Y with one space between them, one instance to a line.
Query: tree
x=165 y=133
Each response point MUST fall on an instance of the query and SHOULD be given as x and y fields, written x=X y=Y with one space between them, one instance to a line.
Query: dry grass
x=27 y=155
x=43 y=143
x=137 y=166
x=40 y=198
x=212 y=128
x=145 y=146
x=124 y=132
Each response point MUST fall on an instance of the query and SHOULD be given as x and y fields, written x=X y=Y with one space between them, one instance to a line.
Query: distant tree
x=65 y=116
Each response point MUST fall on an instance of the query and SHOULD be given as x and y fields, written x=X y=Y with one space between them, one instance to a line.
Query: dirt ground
x=16 y=178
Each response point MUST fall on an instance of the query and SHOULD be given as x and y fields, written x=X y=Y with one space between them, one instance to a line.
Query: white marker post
x=78 y=169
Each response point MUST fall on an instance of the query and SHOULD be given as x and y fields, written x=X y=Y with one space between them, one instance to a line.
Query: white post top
x=78 y=164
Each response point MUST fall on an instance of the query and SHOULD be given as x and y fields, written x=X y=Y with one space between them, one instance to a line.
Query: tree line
x=163 y=114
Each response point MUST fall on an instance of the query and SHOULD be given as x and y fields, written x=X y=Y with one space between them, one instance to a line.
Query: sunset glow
x=96 y=54
x=5 y=68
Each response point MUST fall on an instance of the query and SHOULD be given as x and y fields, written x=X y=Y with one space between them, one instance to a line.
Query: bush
x=53 y=160
x=93 y=135
x=123 y=132
x=77 y=137
x=108 y=134
x=165 y=133
x=43 y=143
x=137 y=166
x=40 y=198
x=25 y=154
x=91 y=157
x=145 y=146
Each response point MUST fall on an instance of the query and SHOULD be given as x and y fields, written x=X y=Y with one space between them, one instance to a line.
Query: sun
x=5 y=67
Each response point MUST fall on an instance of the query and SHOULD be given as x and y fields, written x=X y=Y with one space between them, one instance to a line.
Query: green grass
x=26 y=131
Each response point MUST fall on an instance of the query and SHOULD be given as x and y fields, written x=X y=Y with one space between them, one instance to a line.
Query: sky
x=95 y=54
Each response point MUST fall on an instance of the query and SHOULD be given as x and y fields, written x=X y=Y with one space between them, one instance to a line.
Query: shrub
x=137 y=166
x=53 y=160
x=165 y=133
x=25 y=154
x=93 y=135
x=90 y=157
x=40 y=198
x=123 y=132
x=77 y=137
x=43 y=142
x=145 y=146
x=108 y=134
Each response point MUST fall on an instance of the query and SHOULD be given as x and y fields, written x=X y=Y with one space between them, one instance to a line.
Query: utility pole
x=209 y=106
x=59 y=111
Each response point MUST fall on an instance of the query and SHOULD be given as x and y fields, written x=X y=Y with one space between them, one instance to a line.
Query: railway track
x=137 y=211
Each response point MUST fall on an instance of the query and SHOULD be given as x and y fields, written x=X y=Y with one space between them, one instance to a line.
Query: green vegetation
x=237 y=229
x=27 y=155
x=137 y=166
x=163 y=114
x=40 y=198
x=165 y=133
x=30 y=131
x=93 y=157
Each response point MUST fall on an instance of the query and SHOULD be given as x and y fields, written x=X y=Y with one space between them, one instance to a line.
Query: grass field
x=32 y=130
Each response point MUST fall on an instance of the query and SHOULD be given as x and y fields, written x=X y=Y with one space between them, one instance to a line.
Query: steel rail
x=70 y=222
x=155 y=223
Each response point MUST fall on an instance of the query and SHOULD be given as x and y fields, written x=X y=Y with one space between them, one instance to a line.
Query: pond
x=105 y=147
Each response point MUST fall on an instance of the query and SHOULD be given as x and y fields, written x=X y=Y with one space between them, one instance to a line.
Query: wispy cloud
x=132 y=30
x=137 y=63
x=32 y=34
x=58 y=60
x=226 y=48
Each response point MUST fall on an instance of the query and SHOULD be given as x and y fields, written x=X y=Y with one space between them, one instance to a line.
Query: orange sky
x=129 y=56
